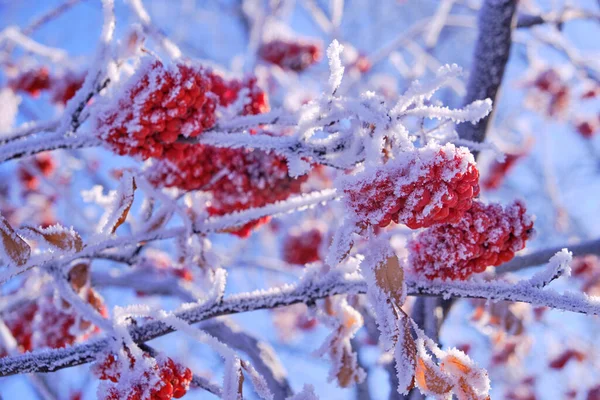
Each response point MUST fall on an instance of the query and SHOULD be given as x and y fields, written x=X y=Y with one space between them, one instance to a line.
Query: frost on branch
x=487 y=235
x=117 y=203
x=10 y=107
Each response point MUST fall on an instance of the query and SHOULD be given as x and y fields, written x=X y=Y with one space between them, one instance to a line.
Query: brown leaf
x=347 y=375
x=457 y=364
x=125 y=202
x=15 y=248
x=390 y=278
x=79 y=275
x=406 y=356
x=431 y=379
x=58 y=237
x=465 y=391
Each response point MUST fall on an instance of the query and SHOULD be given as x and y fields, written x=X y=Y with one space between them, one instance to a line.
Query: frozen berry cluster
x=294 y=56
x=157 y=106
x=302 y=246
x=173 y=380
x=251 y=178
x=46 y=324
x=434 y=187
x=238 y=179
x=487 y=235
x=37 y=80
x=42 y=162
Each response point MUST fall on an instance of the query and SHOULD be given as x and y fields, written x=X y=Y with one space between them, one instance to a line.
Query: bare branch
x=492 y=51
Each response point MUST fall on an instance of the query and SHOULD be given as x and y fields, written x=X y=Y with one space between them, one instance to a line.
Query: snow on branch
x=306 y=291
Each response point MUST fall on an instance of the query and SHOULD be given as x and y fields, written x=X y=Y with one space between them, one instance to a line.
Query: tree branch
x=492 y=51
x=542 y=256
x=304 y=292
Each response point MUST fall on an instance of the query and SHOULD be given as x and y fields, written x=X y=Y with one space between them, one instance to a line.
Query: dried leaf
x=55 y=236
x=465 y=391
x=125 y=201
x=390 y=278
x=79 y=275
x=455 y=363
x=14 y=247
x=405 y=355
x=349 y=373
x=430 y=379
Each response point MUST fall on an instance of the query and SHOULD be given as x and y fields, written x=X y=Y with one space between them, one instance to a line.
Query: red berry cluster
x=294 y=56
x=156 y=107
x=173 y=380
x=498 y=171
x=237 y=178
x=487 y=235
x=43 y=162
x=551 y=83
x=159 y=104
x=251 y=178
x=44 y=324
x=34 y=81
x=227 y=92
x=302 y=247
x=587 y=127
x=425 y=191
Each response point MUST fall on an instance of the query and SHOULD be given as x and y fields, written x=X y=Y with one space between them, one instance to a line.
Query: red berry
x=294 y=56
x=487 y=235
x=301 y=247
x=43 y=162
x=419 y=192
x=173 y=379
x=32 y=81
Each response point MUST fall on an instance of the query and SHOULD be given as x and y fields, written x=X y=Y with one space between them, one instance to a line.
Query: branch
x=306 y=292
x=542 y=256
x=569 y=14
x=489 y=60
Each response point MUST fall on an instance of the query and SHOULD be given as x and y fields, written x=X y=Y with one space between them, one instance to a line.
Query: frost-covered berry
x=588 y=127
x=163 y=380
x=487 y=235
x=32 y=81
x=155 y=106
x=432 y=185
x=50 y=323
x=251 y=178
x=43 y=162
x=301 y=246
x=294 y=56
x=227 y=92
